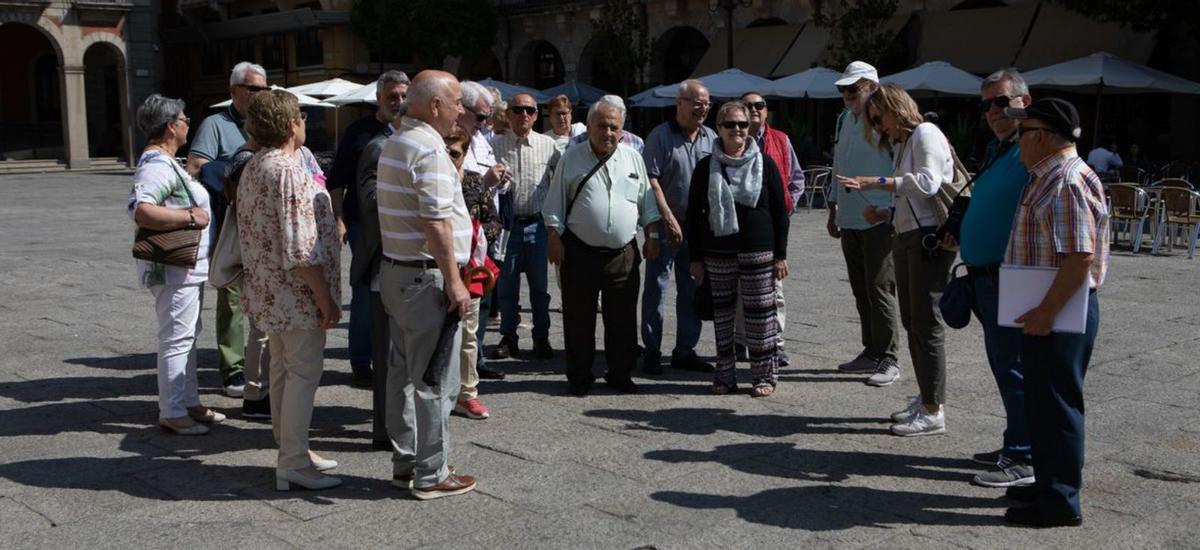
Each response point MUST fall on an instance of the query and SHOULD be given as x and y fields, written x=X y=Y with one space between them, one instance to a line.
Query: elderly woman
x=291 y=252
x=923 y=163
x=165 y=198
x=737 y=228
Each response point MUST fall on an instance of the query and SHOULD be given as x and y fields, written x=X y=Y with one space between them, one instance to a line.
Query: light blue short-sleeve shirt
x=671 y=157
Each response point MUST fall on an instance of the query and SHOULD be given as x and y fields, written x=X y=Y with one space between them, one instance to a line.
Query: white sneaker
x=923 y=423
x=886 y=373
x=900 y=417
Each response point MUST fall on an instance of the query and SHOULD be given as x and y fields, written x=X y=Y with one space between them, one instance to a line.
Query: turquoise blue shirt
x=853 y=155
x=219 y=136
x=994 y=197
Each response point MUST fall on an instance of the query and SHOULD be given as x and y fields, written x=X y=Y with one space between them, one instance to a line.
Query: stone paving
x=82 y=463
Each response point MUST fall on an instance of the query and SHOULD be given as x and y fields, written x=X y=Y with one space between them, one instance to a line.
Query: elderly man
x=390 y=90
x=216 y=140
x=779 y=149
x=982 y=238
x=1061 y=222
x=561 y=129
x=672 y=150
x=599 y=198
x=426 y=232
x=866 y=246
x=530 y=158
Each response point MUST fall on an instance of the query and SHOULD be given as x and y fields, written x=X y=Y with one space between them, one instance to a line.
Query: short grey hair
x=607 y=102
x=391 y=77
x=689 y=84
x=472 y=92
x=1013 y=76
x=156 y=112
x=238 y=75
x=496 y=94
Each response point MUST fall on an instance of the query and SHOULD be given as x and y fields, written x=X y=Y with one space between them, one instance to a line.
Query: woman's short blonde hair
x=270 y=115
x=890 y=98
x=729 y=107
x=560 y=101
x=500 y=118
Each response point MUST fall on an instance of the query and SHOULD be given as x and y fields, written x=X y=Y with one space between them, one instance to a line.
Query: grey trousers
x=868 y=254
x=920 y=281
x=418 y=416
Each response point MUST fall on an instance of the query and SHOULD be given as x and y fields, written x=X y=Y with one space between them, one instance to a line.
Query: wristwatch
x=882 y=181
x=653 y=235
x=191 y=219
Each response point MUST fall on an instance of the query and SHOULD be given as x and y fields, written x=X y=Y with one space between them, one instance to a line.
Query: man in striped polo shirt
x=426 y=235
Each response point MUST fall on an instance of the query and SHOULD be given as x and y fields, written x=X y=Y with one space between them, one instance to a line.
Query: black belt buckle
x=983 y=270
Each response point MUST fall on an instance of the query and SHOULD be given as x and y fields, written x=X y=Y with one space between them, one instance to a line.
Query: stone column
x=74 y=114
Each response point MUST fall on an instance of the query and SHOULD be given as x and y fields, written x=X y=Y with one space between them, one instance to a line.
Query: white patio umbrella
x=815 y=83
x=730 y=83
x=936 y=76
x=1104 y=73
x=305 y=101
x=326 y=88
x=364 y=93
x=508 y=90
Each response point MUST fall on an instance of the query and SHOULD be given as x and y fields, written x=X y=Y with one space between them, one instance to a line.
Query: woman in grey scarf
x=737 y=231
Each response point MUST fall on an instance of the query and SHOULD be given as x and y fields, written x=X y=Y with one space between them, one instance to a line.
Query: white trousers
x=178 y=311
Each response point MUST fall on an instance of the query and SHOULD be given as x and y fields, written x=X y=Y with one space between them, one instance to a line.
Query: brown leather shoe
x=453 y=485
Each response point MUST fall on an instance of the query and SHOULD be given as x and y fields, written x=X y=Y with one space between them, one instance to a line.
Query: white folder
x=1022 y=288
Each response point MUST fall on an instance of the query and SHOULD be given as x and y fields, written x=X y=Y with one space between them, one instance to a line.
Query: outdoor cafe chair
x=817 y=180
x=1130 y=208
x=1180 y=211
x=1172 y=182
x=1132 y=174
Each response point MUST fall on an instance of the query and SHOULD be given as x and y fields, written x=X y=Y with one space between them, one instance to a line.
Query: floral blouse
x=480 y=205
x=285 y=221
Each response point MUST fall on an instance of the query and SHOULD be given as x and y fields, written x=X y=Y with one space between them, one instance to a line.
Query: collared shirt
x=671 y=157
x=627 y=137
x=994 y=198
x=531 y=159
x=1102 y=160
x=563 y=141
x=416 y=182
x=345 y=161
x=480 y=157
x=612 y=206
x=794 y=180
x=1062 y=211
x=853 y=155
x=219 y=136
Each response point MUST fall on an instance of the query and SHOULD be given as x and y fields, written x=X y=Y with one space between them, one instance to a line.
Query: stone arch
x=32 y=118
x=106 y=96
x=676 y=54
x=592 y=70
x=539 y=65
x=766 y=22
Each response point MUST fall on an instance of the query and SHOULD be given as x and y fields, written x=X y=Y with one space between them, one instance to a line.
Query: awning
x=256 y=25
x=1059 y=35
x=756 y=50
x=978 y=40
x=809 y=49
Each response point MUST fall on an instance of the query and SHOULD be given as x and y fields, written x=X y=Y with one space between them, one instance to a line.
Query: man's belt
x=419 y=264
x=983 y=270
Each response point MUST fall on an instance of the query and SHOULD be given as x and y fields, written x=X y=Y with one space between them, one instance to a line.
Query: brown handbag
x=177 y=247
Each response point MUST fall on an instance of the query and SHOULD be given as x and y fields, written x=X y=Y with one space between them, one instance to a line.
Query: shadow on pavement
x=694 y=421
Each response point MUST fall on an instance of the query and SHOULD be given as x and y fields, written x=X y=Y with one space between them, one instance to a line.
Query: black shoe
x=652 y=363
x=506 y=348
x=381 y=445
x=542 y=349
x=260 y=409
x=489 y=373
x=691 y=362
x=623 y=385
x=1032 y=516
x=740 y=353
x=987 y=459
x=782 y=357
x=359 y=379
x=579 y=388
x=1026 y=493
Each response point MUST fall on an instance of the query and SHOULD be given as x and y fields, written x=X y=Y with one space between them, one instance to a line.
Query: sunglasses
x=757 y=105
x=731 y=124
x=1022 y=130
x=253 y=89
x=454 y=153
x=1000 y=101
x=852 y=88
x=479 y=117
x=522 y=110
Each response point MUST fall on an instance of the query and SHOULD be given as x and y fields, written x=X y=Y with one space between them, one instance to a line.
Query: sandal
x=763 y=390
x=721 y=388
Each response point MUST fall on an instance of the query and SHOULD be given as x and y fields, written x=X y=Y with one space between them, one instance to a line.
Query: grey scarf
x=742 y=187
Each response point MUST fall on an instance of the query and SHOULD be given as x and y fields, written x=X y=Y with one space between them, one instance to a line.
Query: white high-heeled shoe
x=324 y=464
x=284 y=479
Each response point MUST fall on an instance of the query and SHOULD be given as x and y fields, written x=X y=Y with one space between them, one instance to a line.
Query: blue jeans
x=526 y=253
x=1054 y=404
x=658 y=274
x=360 y=319
x=1003 y=346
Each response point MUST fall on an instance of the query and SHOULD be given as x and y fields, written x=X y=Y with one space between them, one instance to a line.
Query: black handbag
x=956 y=300
x=702 y=301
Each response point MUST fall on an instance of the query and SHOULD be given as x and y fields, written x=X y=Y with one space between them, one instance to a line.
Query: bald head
x=435 y=98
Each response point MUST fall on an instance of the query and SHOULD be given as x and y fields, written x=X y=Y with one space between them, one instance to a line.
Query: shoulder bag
x=177 y=247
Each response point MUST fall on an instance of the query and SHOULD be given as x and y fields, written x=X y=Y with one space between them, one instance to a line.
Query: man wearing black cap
x=1061 y=222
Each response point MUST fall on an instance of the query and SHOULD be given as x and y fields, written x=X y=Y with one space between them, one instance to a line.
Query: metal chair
x=1129 y=205
x=816 y=181
x=1132 y=174
x=1179 y=210
x=1173 y=182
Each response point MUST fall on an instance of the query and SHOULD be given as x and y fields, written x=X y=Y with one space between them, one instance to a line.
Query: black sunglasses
x=1022 y=130
x=454 y=153
x=757 y=105
x=848 y=88
x=522 y=109
x=253 y=89
x=1000 y=101
x=479 y=117
x=731 y=124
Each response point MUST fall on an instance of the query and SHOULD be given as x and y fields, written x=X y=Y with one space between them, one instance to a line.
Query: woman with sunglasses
x=924 y=162
x=737 y=227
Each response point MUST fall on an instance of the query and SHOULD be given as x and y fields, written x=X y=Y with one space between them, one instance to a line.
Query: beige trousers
x=298 y=357
x=258 y=364
x=470 y=353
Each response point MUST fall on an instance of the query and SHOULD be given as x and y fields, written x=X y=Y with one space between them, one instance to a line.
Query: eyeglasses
x=1000 y=101
x=731 y=124
x=183 y=119
x=479 y=117
x=1022 y=130
x=522 y=110
x=697 y=103
x=252 y=88
x=757 y=105
x=454 y=153
x=303 y=115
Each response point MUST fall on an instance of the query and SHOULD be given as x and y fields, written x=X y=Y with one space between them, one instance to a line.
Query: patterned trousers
x=752 y=275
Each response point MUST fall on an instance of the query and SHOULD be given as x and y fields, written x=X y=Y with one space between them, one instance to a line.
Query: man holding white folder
x=1061 y=223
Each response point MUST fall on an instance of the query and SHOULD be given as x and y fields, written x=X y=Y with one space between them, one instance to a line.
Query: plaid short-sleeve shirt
x=1062 y=211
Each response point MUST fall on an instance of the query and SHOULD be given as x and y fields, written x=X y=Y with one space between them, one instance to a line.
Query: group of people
x=440 y=209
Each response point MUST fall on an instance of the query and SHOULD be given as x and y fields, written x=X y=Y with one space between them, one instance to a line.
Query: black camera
x=954 y=217
x=931 y=242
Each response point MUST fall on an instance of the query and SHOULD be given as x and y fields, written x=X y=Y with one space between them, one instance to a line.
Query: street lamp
x=729 y=6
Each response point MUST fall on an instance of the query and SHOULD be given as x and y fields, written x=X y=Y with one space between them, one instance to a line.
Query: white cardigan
x=923 y=164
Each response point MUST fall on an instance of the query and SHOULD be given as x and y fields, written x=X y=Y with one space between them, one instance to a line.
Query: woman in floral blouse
x=291 y=253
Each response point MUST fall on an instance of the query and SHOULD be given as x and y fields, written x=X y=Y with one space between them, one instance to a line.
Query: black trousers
x=614 y=276
x=381 y=345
